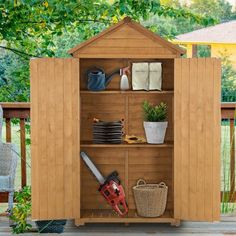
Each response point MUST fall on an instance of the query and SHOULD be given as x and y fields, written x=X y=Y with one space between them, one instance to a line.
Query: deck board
x=227 y=226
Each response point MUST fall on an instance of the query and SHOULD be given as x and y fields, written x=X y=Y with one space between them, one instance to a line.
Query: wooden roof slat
x=137 y=27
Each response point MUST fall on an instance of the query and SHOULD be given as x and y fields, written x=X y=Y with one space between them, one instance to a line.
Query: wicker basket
x=150 y=199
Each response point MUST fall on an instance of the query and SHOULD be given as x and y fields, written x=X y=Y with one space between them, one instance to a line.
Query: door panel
x=55 y=138
x=197 y=139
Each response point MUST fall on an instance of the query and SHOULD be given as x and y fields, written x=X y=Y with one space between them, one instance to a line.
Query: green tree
x=36 y=28
x=220 y=9
x=228 y=79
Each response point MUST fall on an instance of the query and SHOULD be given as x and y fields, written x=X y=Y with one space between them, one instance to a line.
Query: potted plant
x=21 y=212
x=155 y=123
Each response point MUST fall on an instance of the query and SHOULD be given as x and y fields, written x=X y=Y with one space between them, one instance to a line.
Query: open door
x=55 y=138
x=197 y=139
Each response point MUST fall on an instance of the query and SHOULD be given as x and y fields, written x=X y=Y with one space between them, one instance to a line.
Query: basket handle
x=141 y=182
x=162 y=184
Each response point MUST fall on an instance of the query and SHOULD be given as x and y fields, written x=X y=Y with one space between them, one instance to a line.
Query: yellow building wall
x=217 y=50
x=226 y=49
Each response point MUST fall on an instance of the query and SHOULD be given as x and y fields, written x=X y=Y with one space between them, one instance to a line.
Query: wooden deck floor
x=226 y=227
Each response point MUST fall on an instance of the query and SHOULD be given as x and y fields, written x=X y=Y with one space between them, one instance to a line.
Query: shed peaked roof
x=136 y=27
x=221 y=33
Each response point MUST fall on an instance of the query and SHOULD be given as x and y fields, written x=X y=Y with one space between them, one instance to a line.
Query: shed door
x=197 y=139
x=55 y=138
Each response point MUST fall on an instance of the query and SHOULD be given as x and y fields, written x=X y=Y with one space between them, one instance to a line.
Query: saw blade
x=93 y=168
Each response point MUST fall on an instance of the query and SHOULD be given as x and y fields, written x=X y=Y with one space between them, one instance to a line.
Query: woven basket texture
x=150 y=199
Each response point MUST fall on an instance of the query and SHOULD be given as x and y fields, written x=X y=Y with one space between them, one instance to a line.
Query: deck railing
x=22 y=112
x=19 y=111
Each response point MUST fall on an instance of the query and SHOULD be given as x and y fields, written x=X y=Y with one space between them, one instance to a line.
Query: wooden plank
x=21 y=113
x=128 y=92
x=208 y=83
x=23 y=153
x=59 y=148
x=185 y=139
x=136 y=55
x=125 y=145
x=8 y=130
x=192 y=139
x=51 y=127
x=67 y=143
x=126 y=43
x=232 y=157
x=126 y=51
x=3 y=197
x=216 y=141
x=75 y=96
x=42 y=139
x=177 y=138
x=15 y=105
x=200 y=139
x=34 y=137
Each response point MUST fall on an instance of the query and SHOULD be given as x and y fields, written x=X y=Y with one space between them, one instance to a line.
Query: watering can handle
x=94 y=68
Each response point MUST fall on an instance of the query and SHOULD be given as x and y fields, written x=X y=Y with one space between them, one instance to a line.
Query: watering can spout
x=110 y=76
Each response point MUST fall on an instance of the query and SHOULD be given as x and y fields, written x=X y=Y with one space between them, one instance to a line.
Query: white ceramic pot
x=155 y=131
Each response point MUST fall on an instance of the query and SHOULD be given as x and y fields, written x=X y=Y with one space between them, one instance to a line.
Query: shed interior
x=152 y=162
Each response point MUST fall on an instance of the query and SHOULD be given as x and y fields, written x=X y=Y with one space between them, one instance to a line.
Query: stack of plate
x=107 y=132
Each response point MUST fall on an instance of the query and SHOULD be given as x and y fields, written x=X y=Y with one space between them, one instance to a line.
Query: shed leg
x=78 y=222
x=176 y=223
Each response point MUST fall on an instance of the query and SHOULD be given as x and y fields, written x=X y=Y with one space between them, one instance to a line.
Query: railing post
x=23 y=152
x=232 y=159
x=8 y=130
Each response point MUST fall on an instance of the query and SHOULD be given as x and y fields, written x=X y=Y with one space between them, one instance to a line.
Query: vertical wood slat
x=232 y=158
x=51 y=126
x=200 y=139
x=23 y=152
x=177 y=136
x=185 y=138
x=8 y=130
x=216 y=140
x=59 y=148
x=55 y=149
x=42 y=138
x=76 y=137
x=196 y=166
x=193 y=151
x=67 y=104
x=34 y=78
x=209 y=118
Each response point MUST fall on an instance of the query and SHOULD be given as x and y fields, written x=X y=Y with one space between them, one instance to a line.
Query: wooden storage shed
x=62 y=111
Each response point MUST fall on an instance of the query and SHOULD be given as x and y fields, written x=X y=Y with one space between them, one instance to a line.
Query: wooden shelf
x=97 y=216
x=127 y=92
x=126 y=145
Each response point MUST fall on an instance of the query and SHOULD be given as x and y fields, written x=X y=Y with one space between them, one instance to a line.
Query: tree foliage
x=36 y=28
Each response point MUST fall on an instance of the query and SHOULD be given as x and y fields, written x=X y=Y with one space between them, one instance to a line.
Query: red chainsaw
x=110 y=187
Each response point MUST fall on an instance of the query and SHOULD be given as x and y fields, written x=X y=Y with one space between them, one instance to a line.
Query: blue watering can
x=97 y=79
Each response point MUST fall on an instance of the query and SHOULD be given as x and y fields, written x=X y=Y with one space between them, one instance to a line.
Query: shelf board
x=98 y=216
x=126 y=145
x=127 y=92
